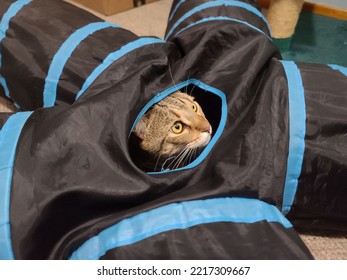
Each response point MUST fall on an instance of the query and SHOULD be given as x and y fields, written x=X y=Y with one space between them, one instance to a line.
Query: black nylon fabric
x=3 y=118
x=4 y=7
x=74 y=175
x=231 y=12
x=269 y=241
x=46 y=18
x=51 y=24
x=321 y=196
x=108 y=40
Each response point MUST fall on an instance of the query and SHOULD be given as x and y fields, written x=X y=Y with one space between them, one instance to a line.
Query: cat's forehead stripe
x=185 y=96
x=169 y=108
x=175 y=102
x=175 y=113
x=187 y=99
x=180 y=99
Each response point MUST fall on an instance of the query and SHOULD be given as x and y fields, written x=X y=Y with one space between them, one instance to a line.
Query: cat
x=170 y=133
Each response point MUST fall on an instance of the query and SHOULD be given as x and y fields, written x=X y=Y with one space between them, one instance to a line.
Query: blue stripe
x=4 y=85
x=216 y=4
x=342 y=69
x=179 y=4
x=176 y=8
x=297 y=131
x=223 y=19
x=178 y=216
x=4 y=26
x=112 y=57
x=9 y=136
x=62 y=56
x=218 y=132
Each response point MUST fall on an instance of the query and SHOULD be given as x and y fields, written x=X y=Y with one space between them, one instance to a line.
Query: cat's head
x=174 y=125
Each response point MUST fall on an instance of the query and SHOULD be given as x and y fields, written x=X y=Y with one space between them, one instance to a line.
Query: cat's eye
x=177 y=127
x=195 y=107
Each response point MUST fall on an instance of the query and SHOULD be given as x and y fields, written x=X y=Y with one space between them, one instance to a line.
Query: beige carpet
x=151 y=20
x=6 y=106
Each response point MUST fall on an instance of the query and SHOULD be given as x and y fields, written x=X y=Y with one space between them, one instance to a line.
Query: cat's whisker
x=188 y=157
x=175 y=158
x=177 y=165
x=169 y=166
x=157 y=137
x=185 y=158
x=170 y=72
x=186 y=90
x=180 y=157
x=191 y=155
x=191 y=91
x=167 y=160
x=156 y=164
x=195 y=152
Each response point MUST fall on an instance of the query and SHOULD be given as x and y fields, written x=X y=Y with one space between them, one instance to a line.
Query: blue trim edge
x=175 y=9
x=222 y=19
x=180 y=215
x=63 y=54
x=4 y=26
x=342 y=69
x=297 y=132
x=218 y=133
x=5 y=87
x=112 y=57
x=9 y=136
x=179 y=4
x=217 y=3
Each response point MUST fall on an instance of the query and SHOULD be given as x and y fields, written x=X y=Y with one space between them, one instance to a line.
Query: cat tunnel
x=69 y=186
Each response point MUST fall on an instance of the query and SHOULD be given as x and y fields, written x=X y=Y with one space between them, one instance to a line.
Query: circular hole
x=180 y=154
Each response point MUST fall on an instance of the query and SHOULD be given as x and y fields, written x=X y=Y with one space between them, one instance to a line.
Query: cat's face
x=175 y=125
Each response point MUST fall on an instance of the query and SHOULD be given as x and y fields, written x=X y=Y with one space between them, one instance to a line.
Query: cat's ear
x=140 y=127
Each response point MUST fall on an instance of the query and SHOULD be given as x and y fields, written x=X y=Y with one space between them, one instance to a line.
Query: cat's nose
x=208 y=129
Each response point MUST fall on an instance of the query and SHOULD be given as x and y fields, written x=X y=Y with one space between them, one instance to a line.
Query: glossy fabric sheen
x=9 y=135
x=4 y=25
x=178 y=216
x=320 y=201
x=192 y=11
x=190 y=244
x=220 y=19
x=42 y=17
x=112 y=57
x=74 y=174
x=61 y=57
x=214 y=4
x=297 y=115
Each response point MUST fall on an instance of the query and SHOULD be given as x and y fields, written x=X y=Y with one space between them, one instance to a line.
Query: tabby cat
x=170 y=133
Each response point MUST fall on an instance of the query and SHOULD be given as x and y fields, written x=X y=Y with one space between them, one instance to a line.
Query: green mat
x=317 y=39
